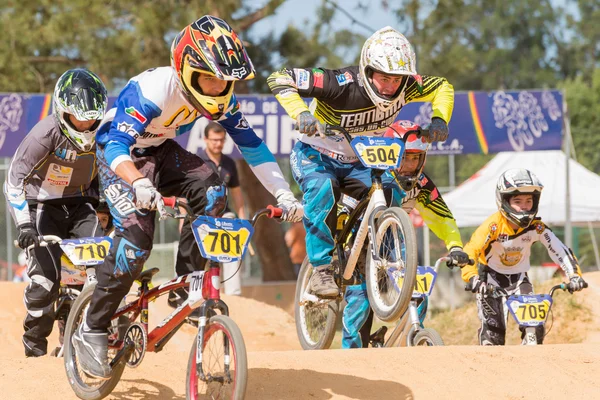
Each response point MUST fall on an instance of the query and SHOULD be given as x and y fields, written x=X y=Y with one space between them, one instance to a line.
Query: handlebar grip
x=471 y=261
x=275 y=211
x=170 y=201
x=585 y=284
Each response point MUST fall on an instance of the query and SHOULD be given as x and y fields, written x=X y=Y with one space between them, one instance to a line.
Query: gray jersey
x=48 y=167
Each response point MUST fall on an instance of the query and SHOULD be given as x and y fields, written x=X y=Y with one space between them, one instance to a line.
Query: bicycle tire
x=428 y=337
x=397 y=307
x=237 y=354
x=81 y=389
x=303 y=314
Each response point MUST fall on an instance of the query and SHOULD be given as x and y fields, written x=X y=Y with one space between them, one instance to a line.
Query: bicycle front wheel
x=391 y=279
x=224 y=363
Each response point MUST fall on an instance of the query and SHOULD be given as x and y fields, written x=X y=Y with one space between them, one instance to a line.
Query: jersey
x=152 y=109
x=48 y=168
x=505 y=250
x=426 y=197
x=339 y=98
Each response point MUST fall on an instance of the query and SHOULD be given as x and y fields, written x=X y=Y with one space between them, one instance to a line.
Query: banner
x=482 y=122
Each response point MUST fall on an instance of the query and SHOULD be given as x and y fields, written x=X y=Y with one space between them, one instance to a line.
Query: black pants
x=175 y=172
x=493 y=312
x=72 y=221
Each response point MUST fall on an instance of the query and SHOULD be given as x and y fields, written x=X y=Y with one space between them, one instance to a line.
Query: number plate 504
x=380 y=153
x=221 y=239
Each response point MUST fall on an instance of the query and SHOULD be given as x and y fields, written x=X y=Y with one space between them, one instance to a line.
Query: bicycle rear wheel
x=85 y=386
x=224 y=362
x=390 y=281
x=315 y=318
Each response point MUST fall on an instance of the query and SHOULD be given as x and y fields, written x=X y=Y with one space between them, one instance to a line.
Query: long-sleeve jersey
x=152 y=108
x=426 y=197
x=48 y=168
x=496 y=244
x=339 y=98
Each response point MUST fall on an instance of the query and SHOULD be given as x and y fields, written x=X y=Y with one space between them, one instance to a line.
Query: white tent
x=474 y=200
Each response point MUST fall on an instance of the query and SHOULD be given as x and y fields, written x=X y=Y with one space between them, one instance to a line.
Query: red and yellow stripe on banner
x=483 y=145
x=46 y=106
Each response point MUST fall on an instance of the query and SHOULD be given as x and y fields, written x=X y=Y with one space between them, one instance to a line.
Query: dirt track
x=279 y=371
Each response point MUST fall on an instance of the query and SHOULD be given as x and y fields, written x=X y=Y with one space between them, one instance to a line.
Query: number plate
x=195 y=293
x=86 y=251
x=426 y=277
x=530 y=310
x=379 y=153
x=222 y=240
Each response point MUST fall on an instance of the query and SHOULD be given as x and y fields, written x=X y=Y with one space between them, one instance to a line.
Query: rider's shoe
x=322 y=283
x=91 y=348
x=377 y=339
x=177 y=297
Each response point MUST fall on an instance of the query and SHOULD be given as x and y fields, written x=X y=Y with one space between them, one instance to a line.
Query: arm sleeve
x=475 y=248
x=559 y=253
x=436 y=214
x=290 y=85
x=433 y=89
x=134 y=113
x=31 y=153
x=255 y=152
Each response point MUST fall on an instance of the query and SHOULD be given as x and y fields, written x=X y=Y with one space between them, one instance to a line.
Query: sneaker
x=92 y=352
x=179 y=296
x=377 y=339
x=322 y=283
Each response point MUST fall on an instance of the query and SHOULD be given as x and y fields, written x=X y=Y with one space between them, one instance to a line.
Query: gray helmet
x=512 y=183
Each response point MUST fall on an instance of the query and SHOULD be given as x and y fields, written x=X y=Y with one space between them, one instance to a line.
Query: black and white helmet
x=81 y=93
x=514 y=182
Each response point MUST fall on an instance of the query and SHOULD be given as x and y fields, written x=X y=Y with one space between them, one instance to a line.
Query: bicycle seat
x=147 y=275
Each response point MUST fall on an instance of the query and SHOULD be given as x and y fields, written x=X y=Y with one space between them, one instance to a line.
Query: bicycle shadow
x=143 y=389
x=267 y=384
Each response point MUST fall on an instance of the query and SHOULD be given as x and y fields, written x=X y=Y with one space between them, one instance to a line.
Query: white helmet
x=389 y=52
x=81 y=93
x=514 y=182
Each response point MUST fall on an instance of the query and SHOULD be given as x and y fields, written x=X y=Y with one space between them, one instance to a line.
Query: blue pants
x=323 y=180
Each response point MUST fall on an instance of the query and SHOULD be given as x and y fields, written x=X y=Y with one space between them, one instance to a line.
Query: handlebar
x=334 y=130
x=497 y=292
x=44 y=241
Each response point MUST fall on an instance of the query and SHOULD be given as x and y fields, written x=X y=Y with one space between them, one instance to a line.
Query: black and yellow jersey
x=505 y=250
x=433 y=209
x=339 y=98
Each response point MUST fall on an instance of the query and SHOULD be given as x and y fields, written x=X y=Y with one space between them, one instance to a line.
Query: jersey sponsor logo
x=135 y=114
x=526 y=238
x=371 y=120
x=242 y=124
x=434 y=194
x=503 y=237
x=119 y=199
x=317 y=77
x=182 y=116
x=511 y=256
x=58 y=175
x=128 y=129
x=423 y=180
x=66 y=154
x=302 y=78
x=539 y=228
x=493 y=227
x=344 y=79
x=239 y=73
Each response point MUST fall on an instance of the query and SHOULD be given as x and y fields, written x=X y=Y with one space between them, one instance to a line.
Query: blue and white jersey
x=152 y=108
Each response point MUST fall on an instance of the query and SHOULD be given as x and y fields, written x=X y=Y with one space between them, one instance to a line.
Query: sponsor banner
x=482 y=122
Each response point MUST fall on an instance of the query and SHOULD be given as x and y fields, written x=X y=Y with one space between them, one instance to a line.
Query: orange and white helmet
x=389 y=52
x=414 y=146
x=209 y=46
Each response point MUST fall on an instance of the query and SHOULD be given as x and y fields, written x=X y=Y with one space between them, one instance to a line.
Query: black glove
x=458 y=257
x=476 y=285
x=27 y=236
x=576 y=284
x=308 y=124
x=438 y=130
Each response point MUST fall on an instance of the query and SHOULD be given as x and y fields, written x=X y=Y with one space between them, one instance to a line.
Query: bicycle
x=409 y=331
x=77 y=272
x=393 y=250
x=528 y=310
x=219 y=240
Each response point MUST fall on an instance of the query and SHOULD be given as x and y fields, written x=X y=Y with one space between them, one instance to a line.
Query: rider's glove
x=576 y=284
x=293 y=211
x=476 y=285
x=146 y=195
x=308 y=123
x=27 y=236
x=438 y=130
x=458 y=257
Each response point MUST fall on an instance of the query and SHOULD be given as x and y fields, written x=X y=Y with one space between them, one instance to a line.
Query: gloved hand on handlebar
x=293 y=211
x=438 y=130
x=27 y=236
x=476 y=285
x=309 y=124
x=576 y=283
x=458 y=257
x=146 y=195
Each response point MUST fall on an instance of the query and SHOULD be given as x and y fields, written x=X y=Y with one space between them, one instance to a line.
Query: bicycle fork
x=408 y=325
